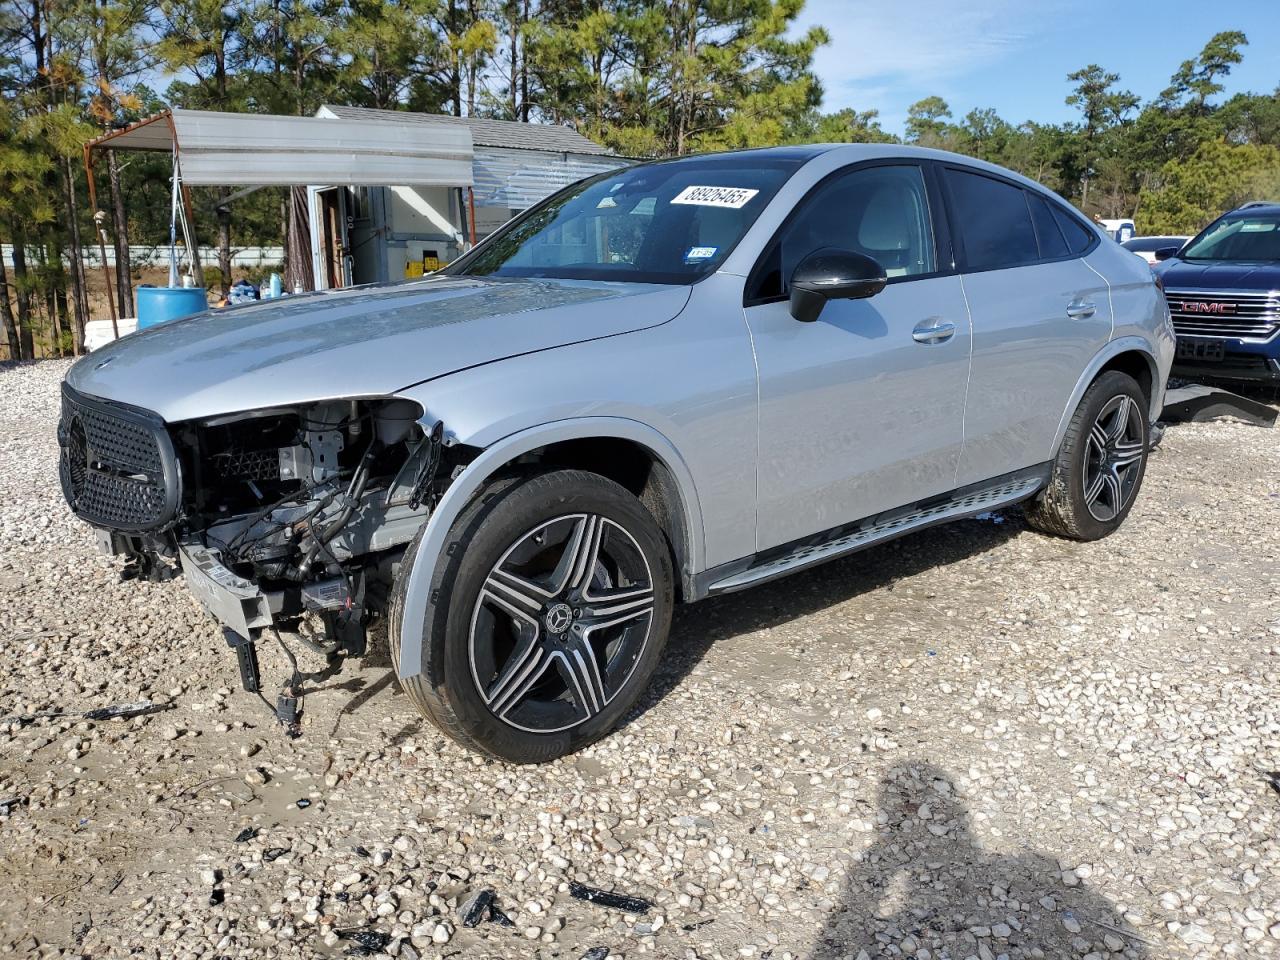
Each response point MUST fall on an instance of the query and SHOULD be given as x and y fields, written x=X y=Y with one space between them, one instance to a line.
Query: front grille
x=117 y=465
x=1208 y=313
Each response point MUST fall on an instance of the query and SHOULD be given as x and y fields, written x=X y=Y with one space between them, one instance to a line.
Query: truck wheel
x=1099 y=468
x=549 y=610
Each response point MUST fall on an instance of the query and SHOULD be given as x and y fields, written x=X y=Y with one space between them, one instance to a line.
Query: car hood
x=1219 y=275
x=359 y=342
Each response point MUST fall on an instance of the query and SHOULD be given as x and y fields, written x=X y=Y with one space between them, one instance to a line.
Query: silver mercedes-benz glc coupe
x=671 y=381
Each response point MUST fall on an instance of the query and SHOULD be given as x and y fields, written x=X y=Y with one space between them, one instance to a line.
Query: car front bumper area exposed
x=236 y=603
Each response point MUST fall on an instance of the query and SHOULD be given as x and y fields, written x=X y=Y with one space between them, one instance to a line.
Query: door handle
x=933 y=330
x=1081 y=309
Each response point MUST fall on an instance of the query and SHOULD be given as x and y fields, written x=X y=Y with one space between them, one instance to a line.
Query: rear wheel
x=1100 y=465
x=548 y=615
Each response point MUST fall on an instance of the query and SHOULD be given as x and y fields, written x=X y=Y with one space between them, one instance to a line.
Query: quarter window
x=882 y=212
x=993 y=220
x=1048 y=234
x=1078 y=236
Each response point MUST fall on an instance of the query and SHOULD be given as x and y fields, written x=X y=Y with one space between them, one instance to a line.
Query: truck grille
x=117 y=464
x=1208 y=313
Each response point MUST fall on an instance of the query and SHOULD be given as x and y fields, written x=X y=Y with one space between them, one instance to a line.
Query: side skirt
x=849 y=538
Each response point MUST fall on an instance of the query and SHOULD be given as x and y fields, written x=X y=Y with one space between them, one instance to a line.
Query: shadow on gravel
x=926 y=882
x=698 y=626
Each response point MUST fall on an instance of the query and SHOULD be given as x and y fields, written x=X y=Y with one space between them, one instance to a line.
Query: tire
x=1096 y=476
x=548 y=613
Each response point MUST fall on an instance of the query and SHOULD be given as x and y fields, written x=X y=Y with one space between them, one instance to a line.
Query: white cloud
x=886 y=58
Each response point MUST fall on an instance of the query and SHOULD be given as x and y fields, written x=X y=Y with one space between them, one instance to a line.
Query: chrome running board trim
x=966 y=504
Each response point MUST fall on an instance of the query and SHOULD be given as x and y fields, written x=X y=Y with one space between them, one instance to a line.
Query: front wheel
x=549 y=612
x=1096 y=476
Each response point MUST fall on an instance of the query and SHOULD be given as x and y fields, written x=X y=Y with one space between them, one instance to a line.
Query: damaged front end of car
x=288 y=521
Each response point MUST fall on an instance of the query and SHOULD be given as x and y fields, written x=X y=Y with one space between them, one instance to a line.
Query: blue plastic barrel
x=158 y=305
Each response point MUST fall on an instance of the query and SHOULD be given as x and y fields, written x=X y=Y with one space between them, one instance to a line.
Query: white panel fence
x=158 y=256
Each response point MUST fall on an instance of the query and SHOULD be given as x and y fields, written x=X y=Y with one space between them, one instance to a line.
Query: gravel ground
x=973 y=742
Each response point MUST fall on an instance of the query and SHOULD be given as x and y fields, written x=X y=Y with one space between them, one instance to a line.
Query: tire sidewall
x=486 y=537
x=1106 y=388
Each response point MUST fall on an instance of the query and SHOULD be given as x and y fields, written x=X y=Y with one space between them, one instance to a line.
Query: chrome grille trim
x=1251 y=315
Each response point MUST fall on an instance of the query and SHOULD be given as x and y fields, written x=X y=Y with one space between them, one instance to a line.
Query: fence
x=158 y=256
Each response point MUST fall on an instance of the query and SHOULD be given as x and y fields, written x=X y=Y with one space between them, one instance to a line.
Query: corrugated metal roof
x=484 y=133
x=516 y=179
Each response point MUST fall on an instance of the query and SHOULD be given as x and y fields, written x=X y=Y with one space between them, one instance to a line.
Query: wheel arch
x=629 y=452
x=1131 y=355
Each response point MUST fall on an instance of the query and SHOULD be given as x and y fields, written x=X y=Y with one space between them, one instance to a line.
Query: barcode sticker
x=732 y=197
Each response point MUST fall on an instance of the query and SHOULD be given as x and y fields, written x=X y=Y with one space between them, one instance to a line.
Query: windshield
x=1254 y=238
x=670 y=222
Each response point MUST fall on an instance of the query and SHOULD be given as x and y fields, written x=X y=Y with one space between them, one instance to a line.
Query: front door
x=862 y=410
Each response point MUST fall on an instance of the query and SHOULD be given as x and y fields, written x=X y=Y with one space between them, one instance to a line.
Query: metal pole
x=99 y=217
x=471 y=215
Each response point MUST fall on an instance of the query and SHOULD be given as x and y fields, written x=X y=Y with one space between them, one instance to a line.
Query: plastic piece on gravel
x=604 y=898
x=369 y=941
x=274 y=853
x=596 y=953
x=1273 y=778
x=476 y=909
x=122 y=711
x=304 y=803
x=248 y=833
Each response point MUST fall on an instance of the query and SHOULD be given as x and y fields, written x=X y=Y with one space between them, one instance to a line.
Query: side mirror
x=833 y=275
x=1167 y=253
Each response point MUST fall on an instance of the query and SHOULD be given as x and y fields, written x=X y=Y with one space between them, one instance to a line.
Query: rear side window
x=1048 y=234
x=994 y=221
x=1078 y=236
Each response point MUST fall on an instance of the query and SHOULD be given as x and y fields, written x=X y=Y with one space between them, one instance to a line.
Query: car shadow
x=926 y=883
x=697 y=627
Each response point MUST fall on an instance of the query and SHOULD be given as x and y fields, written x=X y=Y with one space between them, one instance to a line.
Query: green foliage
x=1217 y=177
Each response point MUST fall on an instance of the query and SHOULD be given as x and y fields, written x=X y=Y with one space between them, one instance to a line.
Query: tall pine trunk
x=224 y=246
x=124 y=277
x=79 y=288
x=6 y=314
x=22 y=294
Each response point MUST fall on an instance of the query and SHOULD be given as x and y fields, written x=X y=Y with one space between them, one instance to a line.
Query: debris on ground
x=366 y=941
x=605 y=898
x=245 y=835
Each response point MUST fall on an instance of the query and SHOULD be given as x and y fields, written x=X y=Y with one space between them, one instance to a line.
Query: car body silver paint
x=685 y=372
x=359 y=342
x=692 y=381
x=857 y=417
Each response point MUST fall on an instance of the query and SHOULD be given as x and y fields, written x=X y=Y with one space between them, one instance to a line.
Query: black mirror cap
x=1167 y=253
x=833 y=275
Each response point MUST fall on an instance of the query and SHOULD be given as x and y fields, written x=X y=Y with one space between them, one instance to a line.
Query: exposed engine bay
x=285 y=521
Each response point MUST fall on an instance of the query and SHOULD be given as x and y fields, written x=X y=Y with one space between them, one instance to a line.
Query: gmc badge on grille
x=1203 y=306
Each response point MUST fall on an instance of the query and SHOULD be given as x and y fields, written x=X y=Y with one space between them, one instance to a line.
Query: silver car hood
x=360 y=342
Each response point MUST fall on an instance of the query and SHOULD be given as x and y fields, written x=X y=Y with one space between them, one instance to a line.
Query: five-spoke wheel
x=561 y=622
x=1094 y=479
x=550 y=609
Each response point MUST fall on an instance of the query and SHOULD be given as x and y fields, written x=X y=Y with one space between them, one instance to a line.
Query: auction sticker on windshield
x=732 y=197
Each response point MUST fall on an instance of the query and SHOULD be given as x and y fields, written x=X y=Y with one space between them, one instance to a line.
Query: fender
x=1109 y=352
x=494 y=457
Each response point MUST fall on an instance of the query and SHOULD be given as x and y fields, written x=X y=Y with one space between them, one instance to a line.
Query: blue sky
x=1014 y=55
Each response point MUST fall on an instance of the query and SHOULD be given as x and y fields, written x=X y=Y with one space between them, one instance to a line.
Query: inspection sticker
x=732 y=197
x=699 y=253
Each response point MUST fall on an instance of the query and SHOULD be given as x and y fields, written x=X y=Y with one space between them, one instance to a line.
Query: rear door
x=861 y=410
x=1039 y=313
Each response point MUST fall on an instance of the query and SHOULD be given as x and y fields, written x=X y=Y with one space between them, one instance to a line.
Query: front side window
x=1254 y=239
x=672 y=222
x=881 y=212
x=994 y=221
